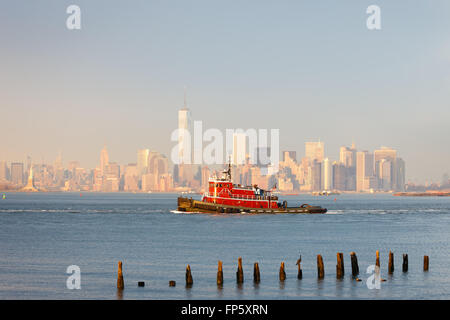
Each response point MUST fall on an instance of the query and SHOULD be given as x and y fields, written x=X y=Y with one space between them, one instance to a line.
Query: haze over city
x=310 y=69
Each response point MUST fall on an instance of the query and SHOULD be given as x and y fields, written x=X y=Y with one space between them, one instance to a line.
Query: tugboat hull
x=190 y=205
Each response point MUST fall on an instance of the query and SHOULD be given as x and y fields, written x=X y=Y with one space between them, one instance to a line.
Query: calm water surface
x=42 y=234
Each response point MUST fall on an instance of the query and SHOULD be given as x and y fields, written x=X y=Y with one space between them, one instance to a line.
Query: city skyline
x=89 y=162
x=356 y=170
x=312 y=70
x=313 y=151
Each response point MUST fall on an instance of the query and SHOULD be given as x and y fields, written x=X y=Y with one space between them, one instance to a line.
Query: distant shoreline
x=422 y=194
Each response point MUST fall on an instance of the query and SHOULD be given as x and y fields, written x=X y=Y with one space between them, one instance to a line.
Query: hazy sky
x=310 y=68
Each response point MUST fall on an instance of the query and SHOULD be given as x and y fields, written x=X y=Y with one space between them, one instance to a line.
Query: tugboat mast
x=229 y=169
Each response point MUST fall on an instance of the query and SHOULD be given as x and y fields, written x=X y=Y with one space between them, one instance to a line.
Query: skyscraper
x=316 y=175
x=364 y=171
x=386 y=168
x=263 y=154
x=205 y=178
x=17 y=173
x=184 y=132
x=158 y=164
x=347 y=157
x=399 y=166
x=131 y=178
x=4 y=176
x=72 y=165
x=112 y=170
x=58 y=162
x=111 y=177
x=314 y=150
x=239 y=148
x=385 y=174
x=104 y=159
x=290 y=154
x=384 y=153
x=157 y=177
x=142 y=161
x=339 y=176
x=327 y=175
x=97 y=179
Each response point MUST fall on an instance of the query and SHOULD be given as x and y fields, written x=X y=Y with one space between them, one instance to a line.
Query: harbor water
x=42 y=234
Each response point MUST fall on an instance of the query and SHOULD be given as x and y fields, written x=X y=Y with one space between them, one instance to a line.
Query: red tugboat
x=225 y=197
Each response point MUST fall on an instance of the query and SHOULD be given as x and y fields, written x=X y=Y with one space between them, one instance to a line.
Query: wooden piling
x=300 y=273
x=391 y=263
x=377 y=262
x=405 y=263
x=282 y=272
x=189 y=280
x=120 y=283
x=340 y=265
x=219 y=273
x=320 y=268
x=240 y=272
x=426 y=262
x=256 y=274
x=355 y=267
x=172 y=283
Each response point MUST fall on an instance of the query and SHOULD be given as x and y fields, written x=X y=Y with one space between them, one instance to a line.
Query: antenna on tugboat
x=229 y=168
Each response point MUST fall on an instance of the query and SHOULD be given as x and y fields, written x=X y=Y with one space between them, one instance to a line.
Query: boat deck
x=190 y=205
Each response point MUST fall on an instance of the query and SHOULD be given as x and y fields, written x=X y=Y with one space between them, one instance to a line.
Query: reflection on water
x=340 y=287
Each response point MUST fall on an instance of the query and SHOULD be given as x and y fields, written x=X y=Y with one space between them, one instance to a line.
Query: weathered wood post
x=299 y=274
x=256 y=274
x=391 y=262
x=426 y=262
x=189 y=280
x=282 y=272
x=405 y=263
x=240 y=272
x=219 y=274
x=355 y=267
x=377 y=262
x=320 y=268
x=340 y=265
x=120 y=283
